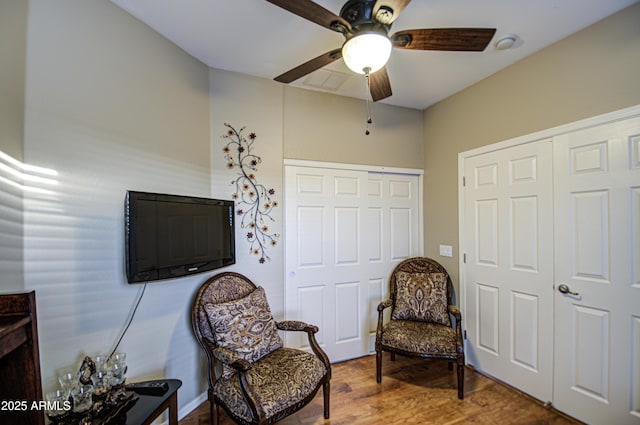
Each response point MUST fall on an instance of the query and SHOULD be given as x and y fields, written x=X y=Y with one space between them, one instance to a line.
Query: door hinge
x=465 y=334
x=464 y=258
x=464 y=181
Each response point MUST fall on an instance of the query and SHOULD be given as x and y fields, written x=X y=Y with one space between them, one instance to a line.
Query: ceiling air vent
x=325 y=79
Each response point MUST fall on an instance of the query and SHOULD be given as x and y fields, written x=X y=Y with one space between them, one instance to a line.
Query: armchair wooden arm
x=242 y=366
x=384 y=304
x=458 y=316
x=311 y=330
x=231 y=358
x=297 y=326
x=381 y=307
x=455 y=311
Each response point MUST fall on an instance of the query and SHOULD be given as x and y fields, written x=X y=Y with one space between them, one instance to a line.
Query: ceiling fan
x=365 y=24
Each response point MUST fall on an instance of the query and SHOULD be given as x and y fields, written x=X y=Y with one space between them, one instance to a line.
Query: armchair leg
x=213 y=409
x=326 y=390
x=378 y=366
x=460 y=381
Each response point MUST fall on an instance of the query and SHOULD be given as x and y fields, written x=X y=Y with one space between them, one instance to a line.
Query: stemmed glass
x=119 y=357
x=101 y=361
x=117 y=368
x=101 y=380
x=82 y=398
x=57 y=404
x=68 y=380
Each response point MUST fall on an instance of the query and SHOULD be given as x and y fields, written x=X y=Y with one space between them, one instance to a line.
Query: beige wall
x=325 y=127
x=299 y=124
x=590 y=73
x=13 y=39
x=229 y=94
x=111 y=106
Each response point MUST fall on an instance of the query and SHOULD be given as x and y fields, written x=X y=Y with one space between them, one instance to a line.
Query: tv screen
x=169 y=236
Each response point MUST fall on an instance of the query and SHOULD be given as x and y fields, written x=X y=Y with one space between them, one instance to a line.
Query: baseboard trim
x=192 y=405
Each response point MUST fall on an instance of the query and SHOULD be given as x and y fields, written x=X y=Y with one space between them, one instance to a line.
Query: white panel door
x=345 y=230
x=393 y=230
x=325 y=280
x=508 y=228
x=597 y=244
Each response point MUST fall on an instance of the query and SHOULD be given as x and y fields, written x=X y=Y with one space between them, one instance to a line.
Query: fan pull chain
x=369 y=121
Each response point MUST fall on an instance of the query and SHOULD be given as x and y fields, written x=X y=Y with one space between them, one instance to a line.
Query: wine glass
x=57 y=404
x=118 y=369
x=101 y=360
x=82 y=398
x=101 y=382
x=68 y=380
x=119 y=357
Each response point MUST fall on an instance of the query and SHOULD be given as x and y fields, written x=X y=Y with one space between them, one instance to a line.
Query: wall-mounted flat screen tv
x=169 y=236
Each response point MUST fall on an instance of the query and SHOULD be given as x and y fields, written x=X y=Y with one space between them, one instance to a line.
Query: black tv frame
x=162 y=272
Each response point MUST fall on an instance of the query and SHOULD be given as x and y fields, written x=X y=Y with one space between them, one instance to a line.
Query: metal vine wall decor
x=254 y=201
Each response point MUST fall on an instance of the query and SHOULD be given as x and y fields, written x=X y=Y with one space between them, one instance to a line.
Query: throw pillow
x=422 y=297
x=245 y=326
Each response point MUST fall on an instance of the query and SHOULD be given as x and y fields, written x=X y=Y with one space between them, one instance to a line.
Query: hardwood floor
x=412 y=392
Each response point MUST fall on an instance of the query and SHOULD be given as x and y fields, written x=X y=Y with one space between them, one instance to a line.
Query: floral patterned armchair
x=250 y=374
x=421 y=322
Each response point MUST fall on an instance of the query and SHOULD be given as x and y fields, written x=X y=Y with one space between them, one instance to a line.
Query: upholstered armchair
x=250 y=374
x=421 y=324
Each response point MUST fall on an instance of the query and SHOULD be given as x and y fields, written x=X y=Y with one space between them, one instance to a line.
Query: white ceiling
x=258 y=38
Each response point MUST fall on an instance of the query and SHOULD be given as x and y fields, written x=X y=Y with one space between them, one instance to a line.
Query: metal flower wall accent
x=254 y=202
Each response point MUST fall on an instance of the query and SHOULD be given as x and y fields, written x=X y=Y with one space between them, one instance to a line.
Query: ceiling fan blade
x=309 y=66
x=455 y=39
x=390 y=10
x=379 y=84
x=313 y=12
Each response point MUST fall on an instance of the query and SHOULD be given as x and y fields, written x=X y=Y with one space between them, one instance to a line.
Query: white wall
x=111 y=106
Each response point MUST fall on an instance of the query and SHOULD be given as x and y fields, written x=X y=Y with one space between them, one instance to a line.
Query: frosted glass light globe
x=368 y=50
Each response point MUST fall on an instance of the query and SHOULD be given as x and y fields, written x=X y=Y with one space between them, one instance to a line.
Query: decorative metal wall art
x=254 y=202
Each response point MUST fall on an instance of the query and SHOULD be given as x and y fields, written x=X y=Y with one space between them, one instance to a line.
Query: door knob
x=565 y=290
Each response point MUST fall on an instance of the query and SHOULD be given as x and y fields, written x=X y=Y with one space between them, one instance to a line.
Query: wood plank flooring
x=412 y=392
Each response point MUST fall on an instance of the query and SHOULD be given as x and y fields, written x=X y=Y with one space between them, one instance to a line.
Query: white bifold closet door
x=345 y=231
x=551 y=232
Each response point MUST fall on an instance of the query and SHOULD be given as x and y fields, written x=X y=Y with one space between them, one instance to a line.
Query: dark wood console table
x=149 y=407
x=20 y=369
x=19 y=358
x=139 y=408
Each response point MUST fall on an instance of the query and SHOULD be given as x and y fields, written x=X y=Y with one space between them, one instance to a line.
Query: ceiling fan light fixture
x=366 y=52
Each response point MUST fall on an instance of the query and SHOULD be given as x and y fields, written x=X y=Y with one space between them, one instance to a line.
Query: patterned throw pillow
x=422 y=297
x=245 y=326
